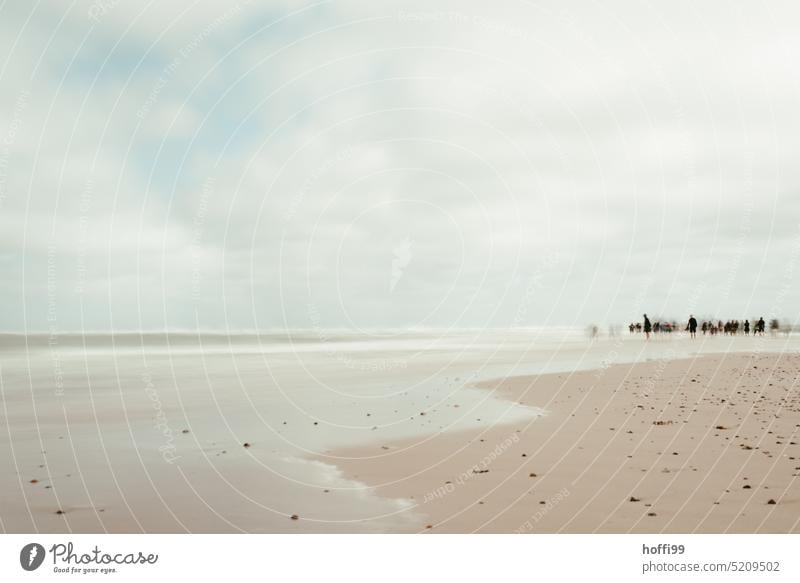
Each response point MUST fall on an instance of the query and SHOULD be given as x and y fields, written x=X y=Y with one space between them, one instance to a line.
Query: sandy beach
x=493 y=431
x=706 y=445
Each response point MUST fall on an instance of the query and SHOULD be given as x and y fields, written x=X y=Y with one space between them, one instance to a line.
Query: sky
x=290 y=164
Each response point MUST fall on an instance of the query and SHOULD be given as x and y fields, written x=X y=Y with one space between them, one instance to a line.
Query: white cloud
x=172 y=151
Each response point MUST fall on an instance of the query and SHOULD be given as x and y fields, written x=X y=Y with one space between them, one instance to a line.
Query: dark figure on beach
x=692 y=326
x=747 y=327
x=760 y=325
x=647 y=326
x=705 y=327
x=631 y=328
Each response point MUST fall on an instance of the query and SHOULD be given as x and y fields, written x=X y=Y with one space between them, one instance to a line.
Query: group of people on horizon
x=731 y=327
x=647 y=327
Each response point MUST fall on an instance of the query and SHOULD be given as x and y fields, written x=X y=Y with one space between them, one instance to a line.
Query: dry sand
x=696 y=445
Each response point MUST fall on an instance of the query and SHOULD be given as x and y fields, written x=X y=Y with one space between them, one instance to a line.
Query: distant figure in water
x=692 y=326
x=647 y=326
x=747 y=327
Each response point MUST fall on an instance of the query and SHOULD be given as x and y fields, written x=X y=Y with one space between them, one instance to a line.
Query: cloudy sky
x=273 y=164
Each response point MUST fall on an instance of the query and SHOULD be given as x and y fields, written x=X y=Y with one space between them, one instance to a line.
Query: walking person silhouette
x=692 y=326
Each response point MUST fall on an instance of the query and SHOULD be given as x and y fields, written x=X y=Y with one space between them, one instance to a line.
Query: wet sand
x=708 y=444
x=198 y=435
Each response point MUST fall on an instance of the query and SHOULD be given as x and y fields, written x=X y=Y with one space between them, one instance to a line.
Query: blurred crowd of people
x=712 y=327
